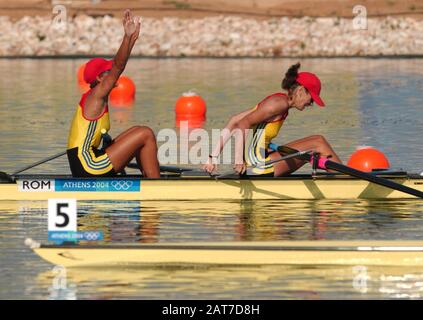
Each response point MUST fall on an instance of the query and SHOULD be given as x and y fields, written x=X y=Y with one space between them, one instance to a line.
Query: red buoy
x=124 y=90
x=368 y=159
x=191 y=104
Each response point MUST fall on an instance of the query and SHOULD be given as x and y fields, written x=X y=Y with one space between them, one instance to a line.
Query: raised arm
x=132 y=27
x=94 y=102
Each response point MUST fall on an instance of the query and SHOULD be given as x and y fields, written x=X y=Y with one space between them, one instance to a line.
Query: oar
x=289 y=156
x=4 y=175
x=9 y=177
x=325 y=163
x=163 y=168
x=39 y=162
x=108 y=140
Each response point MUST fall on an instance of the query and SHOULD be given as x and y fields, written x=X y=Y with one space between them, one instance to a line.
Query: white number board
x=62 y=215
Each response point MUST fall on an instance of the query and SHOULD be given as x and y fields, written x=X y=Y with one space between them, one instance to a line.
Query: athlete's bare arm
x=268 y=110
x=95 y=102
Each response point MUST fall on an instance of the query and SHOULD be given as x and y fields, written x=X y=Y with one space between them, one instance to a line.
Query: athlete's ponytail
x=290 y=81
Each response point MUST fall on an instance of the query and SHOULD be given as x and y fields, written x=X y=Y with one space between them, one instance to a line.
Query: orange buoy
x=81 y=82
x=124 y=90
x=191 y=104
x=192 y=122
x=368 y=159
x=122 y=102
x=80 y=73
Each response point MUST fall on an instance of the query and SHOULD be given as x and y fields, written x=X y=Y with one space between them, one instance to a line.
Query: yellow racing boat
x=368 y=253
x=197 y=186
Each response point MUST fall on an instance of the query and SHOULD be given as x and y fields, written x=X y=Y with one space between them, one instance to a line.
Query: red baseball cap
x=95 y=67
x=312 y=83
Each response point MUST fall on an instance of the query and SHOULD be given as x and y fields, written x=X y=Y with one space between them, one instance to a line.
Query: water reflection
x=150 y=221
x=244 y=221
x=132 y=221
x=368 y=102
x=265 y=282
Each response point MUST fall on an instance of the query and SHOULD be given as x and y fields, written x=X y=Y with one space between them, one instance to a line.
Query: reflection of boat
x=21 y=207
x=9 y=207
x=265 y=282
x=261 y=220
x=376 y=253
x=298 y=186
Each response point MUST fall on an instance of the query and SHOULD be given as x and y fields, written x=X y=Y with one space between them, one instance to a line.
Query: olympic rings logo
x=122 y=185
x=91 y=236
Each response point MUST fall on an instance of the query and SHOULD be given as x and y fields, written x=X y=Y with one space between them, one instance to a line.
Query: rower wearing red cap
x=92 y=118
x=252 y=151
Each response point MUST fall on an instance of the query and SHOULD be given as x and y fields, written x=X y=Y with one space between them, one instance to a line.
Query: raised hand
x=131 y=25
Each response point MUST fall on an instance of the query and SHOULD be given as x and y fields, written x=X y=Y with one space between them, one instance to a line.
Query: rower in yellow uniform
x=84 y=139
x=252 y=153
x=92 y=118
x=256 y=154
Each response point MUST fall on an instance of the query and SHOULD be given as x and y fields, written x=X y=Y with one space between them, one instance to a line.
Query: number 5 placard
x=62 y=215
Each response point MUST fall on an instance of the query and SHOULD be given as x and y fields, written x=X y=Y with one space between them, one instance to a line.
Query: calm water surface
x=372 y=102
x=24 y=275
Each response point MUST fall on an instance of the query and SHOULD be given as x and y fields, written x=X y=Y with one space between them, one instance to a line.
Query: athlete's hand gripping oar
x=324 y=163
x=289 y=156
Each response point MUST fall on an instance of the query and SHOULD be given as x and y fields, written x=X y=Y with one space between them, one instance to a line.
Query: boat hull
x=202 y=188
x=369 y=253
